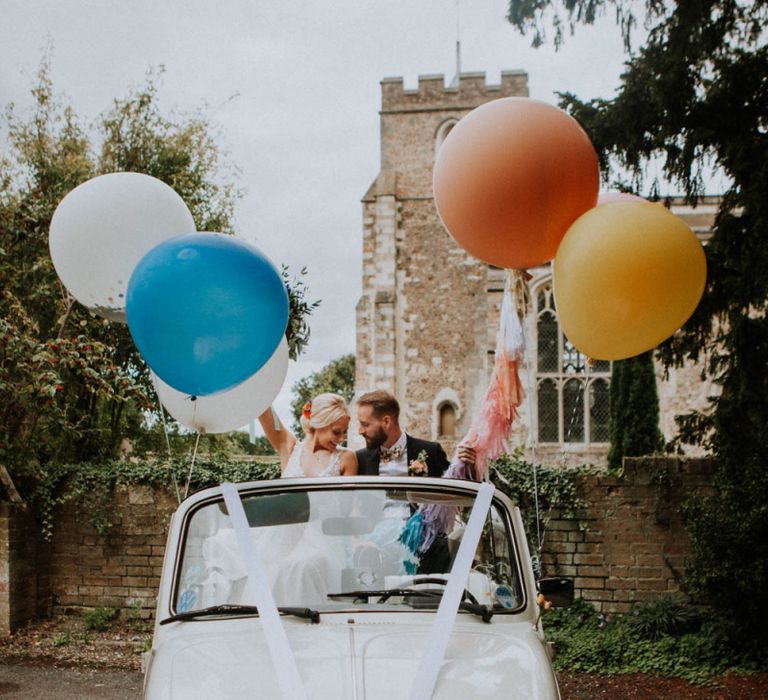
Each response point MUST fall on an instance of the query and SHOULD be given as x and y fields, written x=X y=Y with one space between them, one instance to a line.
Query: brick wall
x=629 y=543
x=120 y=569
x=23 y=585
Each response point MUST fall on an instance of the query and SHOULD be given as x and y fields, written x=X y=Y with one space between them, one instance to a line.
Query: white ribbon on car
x=439 y=635
x=257 y=585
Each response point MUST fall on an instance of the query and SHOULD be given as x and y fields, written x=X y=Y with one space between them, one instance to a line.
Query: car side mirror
x=559 y=591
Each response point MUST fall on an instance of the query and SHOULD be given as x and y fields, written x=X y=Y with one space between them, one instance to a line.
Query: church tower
x=425 y=328
x=429 y=312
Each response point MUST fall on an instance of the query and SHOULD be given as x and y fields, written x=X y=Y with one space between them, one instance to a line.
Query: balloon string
x=523 y=301
x=70 y=306
x=192 y=465
x=167 y=443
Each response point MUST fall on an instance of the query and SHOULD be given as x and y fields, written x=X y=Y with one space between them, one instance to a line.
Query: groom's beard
x=375 y=442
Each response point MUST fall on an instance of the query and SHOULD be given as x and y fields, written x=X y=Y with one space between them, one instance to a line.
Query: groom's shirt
x=394 y=462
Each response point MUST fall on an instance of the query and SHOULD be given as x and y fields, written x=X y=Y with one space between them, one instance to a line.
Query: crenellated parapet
x=432 y=91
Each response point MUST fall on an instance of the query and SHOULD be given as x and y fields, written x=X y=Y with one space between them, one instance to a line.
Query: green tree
x=242 y=444
x=72 y=385
x=695 y=96
x=338 y=376
x=634 y=420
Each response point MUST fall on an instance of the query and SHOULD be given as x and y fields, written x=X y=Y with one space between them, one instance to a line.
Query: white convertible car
x=349 y=589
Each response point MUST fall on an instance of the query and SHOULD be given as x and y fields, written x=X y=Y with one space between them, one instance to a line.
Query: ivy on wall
x=556 y=490
x=91 y=486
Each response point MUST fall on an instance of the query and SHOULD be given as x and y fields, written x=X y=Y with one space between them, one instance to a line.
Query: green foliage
x=73 y=385
x=133 y=614
x=243 y=446
x=670 y=641
x=664 y=616
x=91 y=486
x=729 y=537
x=694 y=97
x=338 y=376
x=297 y=333
x=634 y=421
x=557 y=490
x=99 y=619
x=62 y=639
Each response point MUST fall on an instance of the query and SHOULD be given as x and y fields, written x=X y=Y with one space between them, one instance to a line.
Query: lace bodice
x=294 y=468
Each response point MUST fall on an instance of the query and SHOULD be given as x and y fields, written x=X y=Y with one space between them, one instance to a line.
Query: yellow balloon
x=627 y=275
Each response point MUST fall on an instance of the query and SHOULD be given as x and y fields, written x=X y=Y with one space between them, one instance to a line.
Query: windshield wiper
x=475 y=608
x=229 y=609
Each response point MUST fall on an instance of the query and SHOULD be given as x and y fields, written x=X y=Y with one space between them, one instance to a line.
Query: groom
x=388 y=450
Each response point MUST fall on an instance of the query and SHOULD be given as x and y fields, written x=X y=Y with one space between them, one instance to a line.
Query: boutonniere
x=418 y=467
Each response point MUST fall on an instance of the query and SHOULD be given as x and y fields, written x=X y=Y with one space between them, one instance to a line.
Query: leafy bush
x=729 y=538
x=664 y=616
x=589 y=642
x=62 y=640
x=99 y=619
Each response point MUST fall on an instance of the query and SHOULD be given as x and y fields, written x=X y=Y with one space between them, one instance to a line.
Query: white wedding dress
x=293 y=467
x=302 y=564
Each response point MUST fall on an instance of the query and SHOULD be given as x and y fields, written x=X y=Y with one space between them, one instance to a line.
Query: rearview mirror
x=351 y=525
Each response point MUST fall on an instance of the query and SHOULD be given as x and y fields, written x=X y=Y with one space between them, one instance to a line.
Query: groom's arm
x=363 y=463
x=438 y=462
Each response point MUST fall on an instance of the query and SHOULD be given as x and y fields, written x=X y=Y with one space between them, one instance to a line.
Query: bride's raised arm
x=282 y=439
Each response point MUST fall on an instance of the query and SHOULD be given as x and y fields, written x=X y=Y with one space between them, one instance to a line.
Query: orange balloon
x=511 y=177
x=627 y=275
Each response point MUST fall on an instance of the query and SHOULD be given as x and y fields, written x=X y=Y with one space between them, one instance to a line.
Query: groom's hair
x=382 y=403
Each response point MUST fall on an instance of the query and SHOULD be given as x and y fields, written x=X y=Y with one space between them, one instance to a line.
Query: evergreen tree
x=695 y=95
x=634 y=422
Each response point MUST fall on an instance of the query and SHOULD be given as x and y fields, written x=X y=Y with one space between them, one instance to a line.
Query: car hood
x=349 y=660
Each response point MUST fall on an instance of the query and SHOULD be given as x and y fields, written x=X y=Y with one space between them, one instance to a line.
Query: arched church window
x=442 y=132
x=599 y=413
x=446 y=420
x=572 y=394
x=549 y=411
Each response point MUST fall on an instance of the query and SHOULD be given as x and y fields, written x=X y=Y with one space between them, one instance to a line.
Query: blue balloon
x=206 y=311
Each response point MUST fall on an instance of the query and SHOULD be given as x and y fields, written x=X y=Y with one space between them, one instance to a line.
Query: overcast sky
x=294 y=89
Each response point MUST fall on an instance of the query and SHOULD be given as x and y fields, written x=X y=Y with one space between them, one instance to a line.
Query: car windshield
x=326 y=547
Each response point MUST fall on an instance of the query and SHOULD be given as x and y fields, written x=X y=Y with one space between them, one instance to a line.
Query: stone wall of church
x=423 y=329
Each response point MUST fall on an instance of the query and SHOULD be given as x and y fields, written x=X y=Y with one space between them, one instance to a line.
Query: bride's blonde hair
x=322 y=411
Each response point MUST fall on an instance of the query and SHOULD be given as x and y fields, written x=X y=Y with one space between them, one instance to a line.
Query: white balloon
x=103 y=227
x=232 y=409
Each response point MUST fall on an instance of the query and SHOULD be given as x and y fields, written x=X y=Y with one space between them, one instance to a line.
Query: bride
x=302 y=564
x=325 y=421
